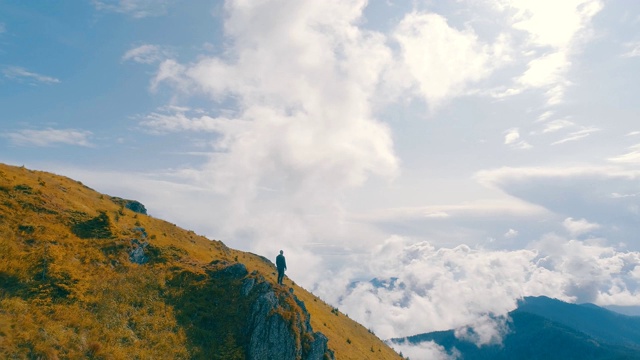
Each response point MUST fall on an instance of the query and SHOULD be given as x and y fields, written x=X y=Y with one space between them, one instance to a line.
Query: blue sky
x=476 y=150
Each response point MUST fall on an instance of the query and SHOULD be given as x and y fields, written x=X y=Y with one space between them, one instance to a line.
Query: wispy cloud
x=134 y=8
x=577 y=135
x=176 y=119
x=3 y=28
x=511 y=233
x=146 y=54
x=556 y=125
x=632 y=49
x=633 y=156
x=49 y=137
x=21 y=74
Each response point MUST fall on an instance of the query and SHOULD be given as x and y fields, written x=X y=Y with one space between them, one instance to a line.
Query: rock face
x=132 y=205
x=137 y=253
x=278 y=328
x=135 y=206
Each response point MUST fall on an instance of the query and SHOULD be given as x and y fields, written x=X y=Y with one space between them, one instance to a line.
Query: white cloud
x=424 y=350
x=556 y=30
x=21 y=74
x=545 y=71
x=512 y=138
x=134 y=8
x=511 y=233
x=49 y=137
x=484 y=330
x=545 y=116
x=633 y=50
x=145 y=54
x=178 y=120
x=3 y=28
x=472 y=289
x=555 y=125
x=577 y=135
x=441 y=60
x=553 y=24
x=302 y=77
x=579 y=227
x=172 y=72
x=631 y=157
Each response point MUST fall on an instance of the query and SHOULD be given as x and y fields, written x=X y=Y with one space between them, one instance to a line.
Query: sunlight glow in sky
x=477 y=151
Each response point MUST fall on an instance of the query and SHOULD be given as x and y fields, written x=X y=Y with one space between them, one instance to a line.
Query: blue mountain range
x=549 y=329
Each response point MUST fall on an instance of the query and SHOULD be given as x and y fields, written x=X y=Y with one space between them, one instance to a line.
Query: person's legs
x=280 y=276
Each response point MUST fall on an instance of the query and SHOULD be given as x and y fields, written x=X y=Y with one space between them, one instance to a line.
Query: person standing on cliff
x=281 y=264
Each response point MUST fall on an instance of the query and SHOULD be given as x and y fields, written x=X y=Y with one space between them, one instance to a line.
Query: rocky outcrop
x=137 y=253
x=132 y=205
x=278 y=328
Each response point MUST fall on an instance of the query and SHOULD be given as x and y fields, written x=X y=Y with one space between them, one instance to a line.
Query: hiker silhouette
x=281 y=264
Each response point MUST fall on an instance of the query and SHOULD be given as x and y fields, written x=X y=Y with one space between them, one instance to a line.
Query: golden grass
x=62 y=296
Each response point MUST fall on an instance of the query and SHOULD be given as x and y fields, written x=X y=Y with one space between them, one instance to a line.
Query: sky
x=463 y=154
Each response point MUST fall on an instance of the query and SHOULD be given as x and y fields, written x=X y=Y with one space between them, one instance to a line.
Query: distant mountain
x=544 y=328
x=85 y=275
x=601 y=324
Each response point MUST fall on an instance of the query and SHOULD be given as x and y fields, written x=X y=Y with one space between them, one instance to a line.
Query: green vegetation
x=98 y=228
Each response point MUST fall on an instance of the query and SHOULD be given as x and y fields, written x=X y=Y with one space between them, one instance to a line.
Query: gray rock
x=138 y=256
x=132 y=205
x=235 y=271
x=135 y=206
x=247 y=285
x=319 y=347
x=271 y=336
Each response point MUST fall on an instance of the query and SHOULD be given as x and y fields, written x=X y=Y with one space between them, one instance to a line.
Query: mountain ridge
x=546 y=328
x=83 y=275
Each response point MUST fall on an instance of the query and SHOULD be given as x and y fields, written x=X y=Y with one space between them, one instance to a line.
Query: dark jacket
x=280 y=262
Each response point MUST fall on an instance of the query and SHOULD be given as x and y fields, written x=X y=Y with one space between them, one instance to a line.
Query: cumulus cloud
x=484 y=330
x=555 y=30
x=49 y=137
x=424 y=350
x=471 y=290
x=23 y=75
x=145 y=54
x=442 y=60
x=578 y=227
x=301 y=78
x=304 y=81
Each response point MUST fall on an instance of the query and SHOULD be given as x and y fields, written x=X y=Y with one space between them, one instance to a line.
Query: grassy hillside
x=73 y=285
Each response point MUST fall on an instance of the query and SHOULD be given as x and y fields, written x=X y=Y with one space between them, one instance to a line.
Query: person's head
x=281 y=252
